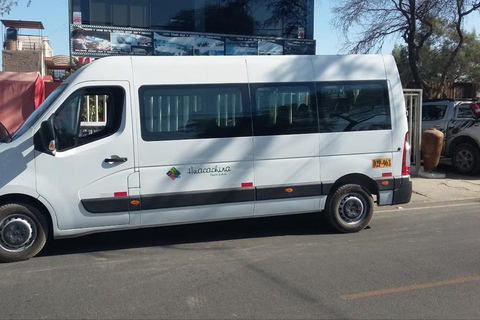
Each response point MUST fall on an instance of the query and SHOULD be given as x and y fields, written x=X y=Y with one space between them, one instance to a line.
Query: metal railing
x=95 y=117
x=413 y=103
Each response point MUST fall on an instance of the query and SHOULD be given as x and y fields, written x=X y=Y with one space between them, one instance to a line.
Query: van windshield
x=39 y=111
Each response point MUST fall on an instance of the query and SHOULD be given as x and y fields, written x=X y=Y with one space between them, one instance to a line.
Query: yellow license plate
x=382 y=163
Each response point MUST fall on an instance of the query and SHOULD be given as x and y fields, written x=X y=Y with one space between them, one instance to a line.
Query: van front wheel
x=23 y=232
x=350 y=208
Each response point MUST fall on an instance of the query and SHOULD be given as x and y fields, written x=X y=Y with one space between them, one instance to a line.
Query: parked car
x=459 y=121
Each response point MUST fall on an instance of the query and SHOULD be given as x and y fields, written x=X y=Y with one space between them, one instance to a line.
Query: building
x=191 y=27
x=30 y=53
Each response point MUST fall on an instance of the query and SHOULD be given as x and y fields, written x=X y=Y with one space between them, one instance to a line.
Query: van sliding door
x=195 y=153
x=286 y=148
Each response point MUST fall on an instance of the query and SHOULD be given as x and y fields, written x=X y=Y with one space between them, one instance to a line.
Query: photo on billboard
x=91 y=40
x=142 y=50
x=129 y=43
x=240 y=46
x=299 y=47
x=209 y=46
x=270 y=47
x=167 y=45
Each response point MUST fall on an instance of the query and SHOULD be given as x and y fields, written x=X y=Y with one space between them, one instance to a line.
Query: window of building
x=139 y=14
x=179 y=15
x=284 y=109
x=100 y=12
x=87 y=115
x=277 y=18
x=120 y=13
x=192 y=112
x=353 y=106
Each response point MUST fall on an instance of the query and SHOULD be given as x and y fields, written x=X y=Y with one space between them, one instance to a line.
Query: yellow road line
x=413 y=287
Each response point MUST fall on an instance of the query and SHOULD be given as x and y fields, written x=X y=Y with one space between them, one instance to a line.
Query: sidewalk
x=454 y=187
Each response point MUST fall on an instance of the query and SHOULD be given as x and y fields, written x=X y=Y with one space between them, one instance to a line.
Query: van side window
x=353 y=106
x=88 y=115
x=193 y=112
x=284 y=109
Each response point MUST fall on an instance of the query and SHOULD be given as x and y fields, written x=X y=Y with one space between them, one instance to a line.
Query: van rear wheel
x=350 y=208
x=23 y=232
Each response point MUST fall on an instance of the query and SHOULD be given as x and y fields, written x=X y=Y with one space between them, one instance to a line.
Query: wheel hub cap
x=352 y=209
x=16 y=232
x=465 y=159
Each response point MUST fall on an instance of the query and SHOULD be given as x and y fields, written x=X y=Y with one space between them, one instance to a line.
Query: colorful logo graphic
x=173 y=173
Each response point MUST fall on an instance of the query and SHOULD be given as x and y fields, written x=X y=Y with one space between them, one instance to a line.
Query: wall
x=21 y=61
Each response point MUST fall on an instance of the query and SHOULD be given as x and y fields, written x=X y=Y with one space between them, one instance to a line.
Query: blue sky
x=54 y=16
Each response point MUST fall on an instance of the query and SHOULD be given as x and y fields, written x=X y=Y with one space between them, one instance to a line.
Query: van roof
x=231 y=69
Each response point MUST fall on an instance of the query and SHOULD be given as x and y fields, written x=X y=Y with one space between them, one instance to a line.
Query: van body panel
x=17 y=166
x=348 y=67
x=351 y=143
x=282 y=69
x=191 y=171
x=178 y=70
x=353 y=164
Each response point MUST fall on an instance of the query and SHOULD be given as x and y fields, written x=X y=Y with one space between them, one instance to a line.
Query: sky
x=54 y=16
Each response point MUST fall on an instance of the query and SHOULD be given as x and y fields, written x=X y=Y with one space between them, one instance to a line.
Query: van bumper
x=402 y=192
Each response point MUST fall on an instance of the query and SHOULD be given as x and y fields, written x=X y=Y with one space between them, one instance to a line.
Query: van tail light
x=406 y=157
x=476 y=109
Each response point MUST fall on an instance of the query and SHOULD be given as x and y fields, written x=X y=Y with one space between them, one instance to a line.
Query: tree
x=414 y=20
x=435 y=53
x=6 y=6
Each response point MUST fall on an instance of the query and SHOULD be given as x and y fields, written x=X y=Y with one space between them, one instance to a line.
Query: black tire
x=466 y=159
x=23 y=232
x=350 y=208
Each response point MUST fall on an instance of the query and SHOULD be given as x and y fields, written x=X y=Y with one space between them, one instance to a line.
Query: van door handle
x=115 y=159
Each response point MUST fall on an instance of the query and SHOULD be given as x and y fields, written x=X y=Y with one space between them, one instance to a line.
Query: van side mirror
x=45 y=138
x=4 y=134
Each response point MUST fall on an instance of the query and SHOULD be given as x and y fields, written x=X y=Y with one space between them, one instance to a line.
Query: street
x=410 y=263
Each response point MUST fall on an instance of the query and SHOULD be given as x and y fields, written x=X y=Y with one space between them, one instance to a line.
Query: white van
x=175 y=140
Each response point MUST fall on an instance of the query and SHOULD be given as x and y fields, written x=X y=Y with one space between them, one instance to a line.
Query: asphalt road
x=414 y=263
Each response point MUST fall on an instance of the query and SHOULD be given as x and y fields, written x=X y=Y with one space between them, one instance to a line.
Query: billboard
x=100 y=41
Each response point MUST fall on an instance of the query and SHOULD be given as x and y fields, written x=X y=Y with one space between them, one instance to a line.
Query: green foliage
x=435 y=52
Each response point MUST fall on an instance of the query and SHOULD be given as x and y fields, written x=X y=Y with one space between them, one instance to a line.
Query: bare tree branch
x=366 y=24
x=6 y=6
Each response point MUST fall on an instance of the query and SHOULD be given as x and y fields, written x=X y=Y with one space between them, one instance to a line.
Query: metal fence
x=94 y=117
x=413 y=103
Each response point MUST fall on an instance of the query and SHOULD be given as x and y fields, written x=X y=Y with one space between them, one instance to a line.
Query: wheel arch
x=356 y=178
x=31 y=201
x=459 y=140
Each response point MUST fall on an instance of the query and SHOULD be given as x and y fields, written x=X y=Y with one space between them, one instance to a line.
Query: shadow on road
x=445 y=166
x=306 y=224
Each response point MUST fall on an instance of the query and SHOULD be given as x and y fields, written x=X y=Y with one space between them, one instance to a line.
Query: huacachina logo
x=213 y=171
